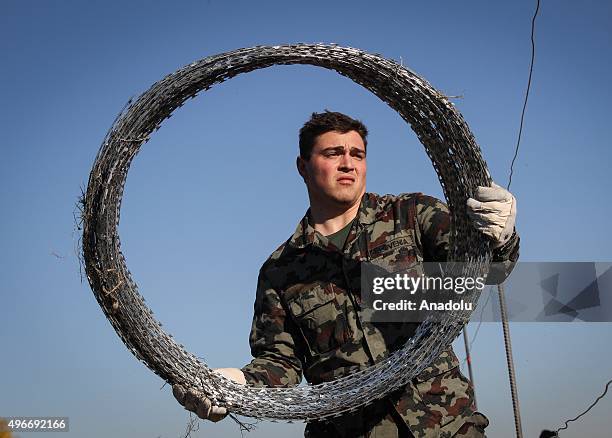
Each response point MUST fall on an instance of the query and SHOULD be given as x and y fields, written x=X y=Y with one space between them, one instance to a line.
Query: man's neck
x=329 y=219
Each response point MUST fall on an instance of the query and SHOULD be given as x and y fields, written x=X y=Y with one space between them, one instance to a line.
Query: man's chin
x=346 y=200
x=340 y=198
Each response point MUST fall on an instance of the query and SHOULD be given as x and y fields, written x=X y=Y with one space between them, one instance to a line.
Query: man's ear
x=301 y=167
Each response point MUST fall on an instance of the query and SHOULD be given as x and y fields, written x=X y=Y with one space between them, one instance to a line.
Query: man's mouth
x=346 y=180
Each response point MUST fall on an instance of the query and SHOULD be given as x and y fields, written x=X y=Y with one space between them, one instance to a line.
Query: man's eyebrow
x=341 y=148
x=333 y=148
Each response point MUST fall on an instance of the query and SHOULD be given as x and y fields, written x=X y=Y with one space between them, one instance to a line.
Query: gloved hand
x=198 y=403
x=493 y=212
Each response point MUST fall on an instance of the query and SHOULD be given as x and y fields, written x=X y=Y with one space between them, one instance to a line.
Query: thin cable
x=502 y=301
x=588 y=409
x=469 y=362
x=509 y=351
x=518 y=142
x=479 y=324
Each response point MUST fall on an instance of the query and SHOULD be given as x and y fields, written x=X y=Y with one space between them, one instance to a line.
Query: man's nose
x=346 y=161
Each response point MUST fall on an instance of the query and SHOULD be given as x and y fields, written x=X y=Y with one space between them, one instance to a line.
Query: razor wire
x=449 y=144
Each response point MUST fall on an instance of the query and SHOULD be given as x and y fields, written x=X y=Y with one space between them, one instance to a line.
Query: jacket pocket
x=397 y=253
x=320 y=317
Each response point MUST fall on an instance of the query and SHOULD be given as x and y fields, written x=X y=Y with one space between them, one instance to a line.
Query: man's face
x=336 y=171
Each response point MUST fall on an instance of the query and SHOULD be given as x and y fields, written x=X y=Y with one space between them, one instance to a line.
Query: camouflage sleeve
x=504 y=259
x=272 y=345
x=433 y=220
x=509 y=251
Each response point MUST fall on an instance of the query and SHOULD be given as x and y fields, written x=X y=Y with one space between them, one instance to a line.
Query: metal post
x=510 y=361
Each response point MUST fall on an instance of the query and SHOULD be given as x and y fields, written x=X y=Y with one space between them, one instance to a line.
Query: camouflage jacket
x=308 y=317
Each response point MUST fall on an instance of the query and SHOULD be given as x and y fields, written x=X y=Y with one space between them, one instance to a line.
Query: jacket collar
x=370 y=210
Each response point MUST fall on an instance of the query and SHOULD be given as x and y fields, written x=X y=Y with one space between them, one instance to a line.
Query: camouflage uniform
x=308 y=319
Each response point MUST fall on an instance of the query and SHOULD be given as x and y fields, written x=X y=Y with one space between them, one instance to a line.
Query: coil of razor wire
x=447 y=140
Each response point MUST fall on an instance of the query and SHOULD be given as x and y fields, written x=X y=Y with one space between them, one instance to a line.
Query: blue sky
x=215 y=191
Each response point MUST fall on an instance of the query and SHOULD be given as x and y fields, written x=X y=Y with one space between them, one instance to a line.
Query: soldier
x=308 y=313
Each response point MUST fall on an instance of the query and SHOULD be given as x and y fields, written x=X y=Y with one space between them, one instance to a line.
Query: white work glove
x=493 y=212
x=198 y=403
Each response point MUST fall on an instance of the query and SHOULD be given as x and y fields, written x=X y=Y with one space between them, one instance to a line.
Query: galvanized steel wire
x=448 y=142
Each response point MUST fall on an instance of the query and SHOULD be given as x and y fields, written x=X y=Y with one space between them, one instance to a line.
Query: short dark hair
x=327 y=121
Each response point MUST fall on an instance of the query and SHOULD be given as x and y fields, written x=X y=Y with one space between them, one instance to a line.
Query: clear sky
x=216 y=191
